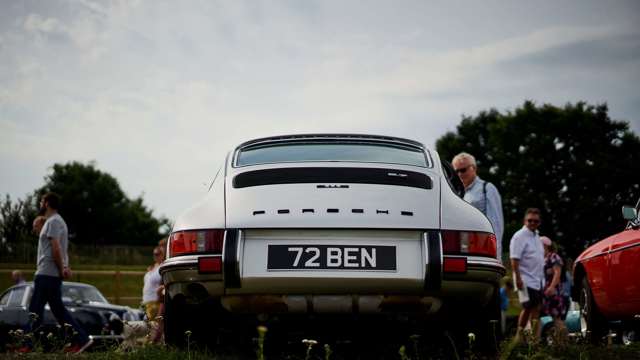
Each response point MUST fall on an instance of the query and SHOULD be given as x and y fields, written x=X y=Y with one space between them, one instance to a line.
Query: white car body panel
x=422 y=203
x=208 y=213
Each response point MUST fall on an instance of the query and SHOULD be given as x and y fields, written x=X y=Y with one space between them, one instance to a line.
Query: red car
x=607 y=282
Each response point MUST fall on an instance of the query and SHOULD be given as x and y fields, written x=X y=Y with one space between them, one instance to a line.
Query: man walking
x=481 y=194
x=52 y=266
x=527 y=262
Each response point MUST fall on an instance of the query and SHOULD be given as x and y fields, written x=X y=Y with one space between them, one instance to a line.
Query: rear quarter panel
x=208 y=213
x=625 y=273
x=455 y=213
x=595 y=261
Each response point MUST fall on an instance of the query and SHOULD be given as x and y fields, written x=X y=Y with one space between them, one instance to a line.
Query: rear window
x=82 y=293
x=348 y=152
x=16 y=296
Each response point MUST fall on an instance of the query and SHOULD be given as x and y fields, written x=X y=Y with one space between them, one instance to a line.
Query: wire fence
x=25 y=253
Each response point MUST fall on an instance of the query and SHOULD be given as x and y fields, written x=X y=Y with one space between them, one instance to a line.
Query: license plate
x=331 y=257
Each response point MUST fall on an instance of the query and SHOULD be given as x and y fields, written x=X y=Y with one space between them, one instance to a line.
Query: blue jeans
x=48 y=289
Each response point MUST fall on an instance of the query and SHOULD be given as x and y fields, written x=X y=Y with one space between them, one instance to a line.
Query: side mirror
x=629 y=213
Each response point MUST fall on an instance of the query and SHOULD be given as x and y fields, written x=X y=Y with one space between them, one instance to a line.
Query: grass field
x=411 y=350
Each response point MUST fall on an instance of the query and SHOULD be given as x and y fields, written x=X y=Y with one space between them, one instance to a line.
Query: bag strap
x=484 y=191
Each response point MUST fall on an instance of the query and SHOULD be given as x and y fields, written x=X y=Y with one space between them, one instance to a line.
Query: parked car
x=102 y=320
x=331 y=224
x=607 y=285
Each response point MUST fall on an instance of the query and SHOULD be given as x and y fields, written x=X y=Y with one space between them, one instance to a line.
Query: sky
x=157 y=92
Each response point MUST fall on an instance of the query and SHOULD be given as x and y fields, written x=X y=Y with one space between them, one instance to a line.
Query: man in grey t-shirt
x=52 y=247
x=52 y=267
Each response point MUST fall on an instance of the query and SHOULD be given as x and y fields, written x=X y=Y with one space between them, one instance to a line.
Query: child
x=505 y=292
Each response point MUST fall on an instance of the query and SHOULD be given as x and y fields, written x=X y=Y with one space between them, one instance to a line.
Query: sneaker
x=77 y=349
x=23 y=350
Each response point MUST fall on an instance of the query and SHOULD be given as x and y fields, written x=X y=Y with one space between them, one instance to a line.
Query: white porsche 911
x=331 y=224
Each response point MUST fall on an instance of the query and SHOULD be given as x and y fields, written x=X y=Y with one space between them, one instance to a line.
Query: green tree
x=574 y=163
x=96 y=209
x=16 y=220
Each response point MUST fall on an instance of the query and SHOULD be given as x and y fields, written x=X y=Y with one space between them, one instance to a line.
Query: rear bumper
x=473 y=289
x=106 y=337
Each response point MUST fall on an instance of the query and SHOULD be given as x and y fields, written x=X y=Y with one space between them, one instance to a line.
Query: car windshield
x=82 y=293
x=332 y=151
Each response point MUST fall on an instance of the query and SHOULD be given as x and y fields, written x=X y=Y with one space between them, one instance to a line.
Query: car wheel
x=195 y=324
x=175 y=325
x=592 y=324
x=549 y=336
x=488 y=327
x=629 y=337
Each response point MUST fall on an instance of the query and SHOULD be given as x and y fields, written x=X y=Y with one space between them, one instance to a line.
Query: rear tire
x=174 y=321
x=488 y=328
x=629 y=336
x=548 y=336
x=193 y=324
x=592 y=324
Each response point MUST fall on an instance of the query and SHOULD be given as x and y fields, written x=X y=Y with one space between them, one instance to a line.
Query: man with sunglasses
x=483 y=195
x=527 y=262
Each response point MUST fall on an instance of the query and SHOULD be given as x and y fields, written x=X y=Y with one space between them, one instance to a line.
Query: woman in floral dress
x=553 y=304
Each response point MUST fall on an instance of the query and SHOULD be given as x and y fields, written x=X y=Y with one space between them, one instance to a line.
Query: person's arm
x=494 y=212
x=551 y=289
x=515 y=266
x=57 y=255
x=516 y=249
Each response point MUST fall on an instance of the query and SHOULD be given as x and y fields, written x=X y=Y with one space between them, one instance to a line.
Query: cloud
x=37 y=23
x=158 y=92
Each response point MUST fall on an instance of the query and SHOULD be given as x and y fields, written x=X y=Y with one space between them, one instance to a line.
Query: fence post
x=117 y=285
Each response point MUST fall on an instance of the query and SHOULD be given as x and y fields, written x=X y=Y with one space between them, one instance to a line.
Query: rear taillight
x=468 y=243
x=196 y=242
x=209 y=264
x=454 y=264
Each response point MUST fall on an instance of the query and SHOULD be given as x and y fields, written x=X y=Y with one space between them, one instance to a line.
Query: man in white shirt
x=481 y=194
x=527 y=262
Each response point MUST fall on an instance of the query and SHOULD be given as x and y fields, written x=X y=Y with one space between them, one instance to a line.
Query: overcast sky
x=156 y=92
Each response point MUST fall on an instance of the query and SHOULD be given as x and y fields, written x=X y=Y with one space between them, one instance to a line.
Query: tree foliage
x=16 y=218
x=574 y=163
x=94 y=206
x=96 y=209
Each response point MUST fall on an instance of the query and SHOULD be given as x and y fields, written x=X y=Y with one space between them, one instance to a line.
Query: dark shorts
x=535 y=298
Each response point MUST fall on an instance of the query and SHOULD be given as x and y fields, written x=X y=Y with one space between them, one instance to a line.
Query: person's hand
x=66 y=273
x=550 y=291
x=160 y=293
x=519 y=283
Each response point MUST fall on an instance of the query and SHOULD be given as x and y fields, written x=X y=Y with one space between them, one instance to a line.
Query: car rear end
x=333 y=224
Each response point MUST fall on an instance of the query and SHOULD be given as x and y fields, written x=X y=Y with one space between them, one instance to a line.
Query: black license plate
x=338 y=257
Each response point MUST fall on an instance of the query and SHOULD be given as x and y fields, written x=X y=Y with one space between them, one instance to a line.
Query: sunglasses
x=463 y=170
x=533 y=221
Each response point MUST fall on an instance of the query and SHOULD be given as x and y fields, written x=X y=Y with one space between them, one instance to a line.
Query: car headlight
x=115 y=324
x=114 y=317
